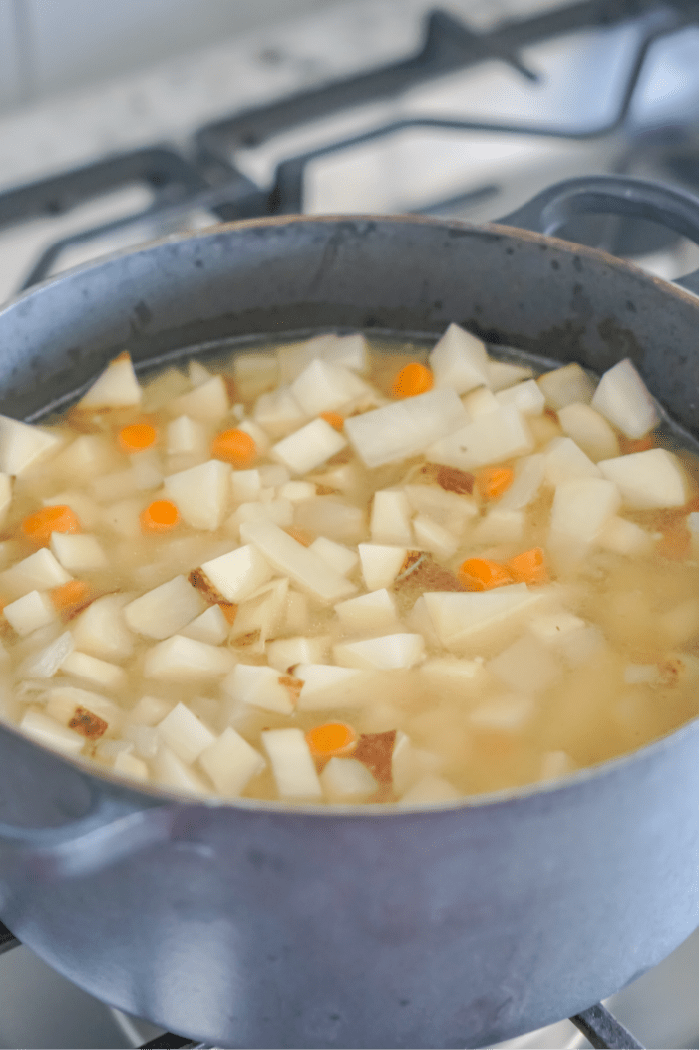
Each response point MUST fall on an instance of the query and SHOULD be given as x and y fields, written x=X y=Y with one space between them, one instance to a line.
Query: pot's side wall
x=439 y=929
x=518 y=289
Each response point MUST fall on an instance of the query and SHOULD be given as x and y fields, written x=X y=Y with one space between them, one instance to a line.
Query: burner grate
x=211 y=182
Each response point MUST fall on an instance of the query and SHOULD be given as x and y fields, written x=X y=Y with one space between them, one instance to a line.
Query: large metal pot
x=261 y=925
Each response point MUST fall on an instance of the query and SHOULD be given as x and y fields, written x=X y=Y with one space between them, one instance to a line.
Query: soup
x=349 y=571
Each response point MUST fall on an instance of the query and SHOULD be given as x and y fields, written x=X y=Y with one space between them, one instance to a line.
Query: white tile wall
x=47 y=46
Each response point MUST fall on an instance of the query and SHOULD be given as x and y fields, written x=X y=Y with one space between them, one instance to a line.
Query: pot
x=263 y=925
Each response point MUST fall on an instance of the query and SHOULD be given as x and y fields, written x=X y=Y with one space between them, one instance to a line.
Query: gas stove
x=462 y=111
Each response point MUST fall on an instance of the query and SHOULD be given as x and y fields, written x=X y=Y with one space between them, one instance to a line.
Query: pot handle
x=614 y=195
x=113 y=830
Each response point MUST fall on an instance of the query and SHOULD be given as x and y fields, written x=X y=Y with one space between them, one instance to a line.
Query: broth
x=269 y=636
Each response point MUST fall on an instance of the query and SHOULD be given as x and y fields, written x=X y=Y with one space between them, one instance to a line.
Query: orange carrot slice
x=482 y=574
x=234 y=446
x=412 y=380
x=334 y=419
x=331 y=738
x=42 y=523
x=529 y=567
x=137 y=437
x=69 y=594
x=492 y=482
x=159 y=516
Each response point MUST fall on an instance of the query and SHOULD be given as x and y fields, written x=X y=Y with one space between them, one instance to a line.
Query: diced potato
x=500 y=525
x=210 y=626
x=47 y=660
x=380 y=564
x=287 y=652
x=525 y=665
x=131 y=766
x=459 y=360
x=580 y=510
x=147 y=470
x=564 y=460
x=272 y=475
x=185 y=436
x=278 y=511
x=591 y=432
x=123 y=518
x=369 y=612
x=430 y=789
x=464 y=619
x=50 y=733
x=197 y=373
x=553 y=629
x=566 y=385
x=40 y=572
x=99 y=672
x=648 y=480
x=337 y=555
x=22 y=445
x=624 y=400
x=30 y=612
x=64 y=701
x=237 y=574
x=433 y=537
x=390 y=522
x=449 y=674
x=162 y=612
x=184 y=733
x=290 y=558
x=116 y=486
x=502 y=374
x=117 y=387
x=325 y=387
x=180 y=657
x=309 y=447
x=448 y=509
x=201 y=493
x=292 y=765
x=296 y=491
x=101 y=630
x=405 y=428
x=78 y=553
x=87 y=457
x=526 y=396
x=255 y=372
x=149 y=710
x=508 y=713
x=245 y=485
x=529 y=475
x=328 y=686
x=331 y=517
x=230 y=762
x=172 y=772
x=410 y=764
x=347 y=780
x=497 y=436
x=624 y=537
x=278 y=412
x=207 y=402
x=260 y=687
x=389 y=652
x=480 y=402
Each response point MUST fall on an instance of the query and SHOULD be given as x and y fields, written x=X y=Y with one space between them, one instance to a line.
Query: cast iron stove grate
x=597 y=1024
x=208 y=179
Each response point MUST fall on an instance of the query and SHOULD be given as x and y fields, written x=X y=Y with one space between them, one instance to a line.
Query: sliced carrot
x=482 y=574
x=234 y=446
x=334 y=419
x=42 y=523
x=137 y=437
x=529 y=567
x=492 y=482
x=413 y=379
x=69 y=594
x=331 y=738
x=159 y=516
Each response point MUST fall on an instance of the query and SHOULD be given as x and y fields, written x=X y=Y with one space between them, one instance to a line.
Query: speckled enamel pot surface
x=260 y=925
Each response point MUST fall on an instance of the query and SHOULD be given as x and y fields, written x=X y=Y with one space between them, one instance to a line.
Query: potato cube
x=99 y=672
x=337 y=555
x=292 y=765
x=284 y=653
x=459 y=360
x=78 y=553
x=390 y=522
x=389 y=652
x=201 y=493
x=309 y=447
x=207 y=402
x=117 y=387
x=369 y=612
x=230 y=762
x=40 y=572
x=30 y=612
x=260 y=687
x=180 y=657
x=591 y=431
x=21 y=445
x=624 y=400
x=101 y=630
x=161 y=612
x=50 y=733
x=238 y=573
x=492 y=438
x=184 y=733
x=430 y=789
x=347 y=780
x=526 y=396
x=380 y=564
x=525 y=665
x=131 y=766
x=566 y=385
x=328 y=686
x=290 y=558
x=648 y=480
x=210 y=626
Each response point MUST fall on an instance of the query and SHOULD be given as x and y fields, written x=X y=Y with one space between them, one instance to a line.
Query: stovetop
x=364 y=106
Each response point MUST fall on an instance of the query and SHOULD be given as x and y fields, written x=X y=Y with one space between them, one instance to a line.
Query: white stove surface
x=38 y=1008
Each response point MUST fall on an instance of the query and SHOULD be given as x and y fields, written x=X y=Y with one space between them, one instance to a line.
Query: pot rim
x=513 y=795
